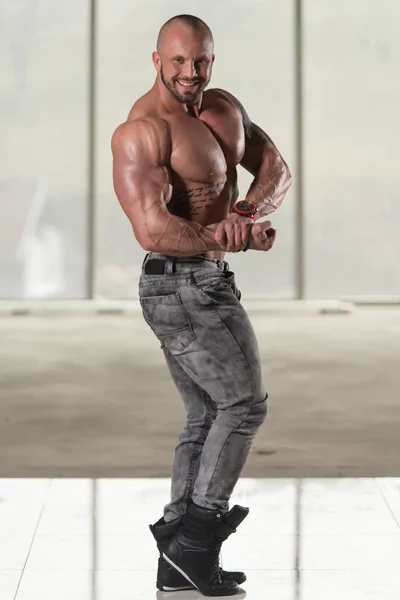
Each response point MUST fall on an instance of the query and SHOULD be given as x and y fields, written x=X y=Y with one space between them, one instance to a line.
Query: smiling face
x=184 y=61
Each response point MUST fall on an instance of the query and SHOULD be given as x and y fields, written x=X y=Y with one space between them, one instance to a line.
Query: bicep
x=142 y=187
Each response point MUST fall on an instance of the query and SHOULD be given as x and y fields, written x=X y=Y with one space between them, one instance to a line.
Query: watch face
x=245 y=206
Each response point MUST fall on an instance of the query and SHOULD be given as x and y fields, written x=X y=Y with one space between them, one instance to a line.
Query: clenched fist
x=262 y=236
x=234 y=233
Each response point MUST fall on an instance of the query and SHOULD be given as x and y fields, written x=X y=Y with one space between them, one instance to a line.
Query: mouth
x=189 y=85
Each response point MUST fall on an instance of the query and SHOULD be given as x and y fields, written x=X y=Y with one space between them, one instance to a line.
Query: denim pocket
x=168 y=319
x=230 y=280
x=218 y=289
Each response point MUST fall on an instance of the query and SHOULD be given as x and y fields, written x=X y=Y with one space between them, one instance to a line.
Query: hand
x=262 y=236
x=234 y=233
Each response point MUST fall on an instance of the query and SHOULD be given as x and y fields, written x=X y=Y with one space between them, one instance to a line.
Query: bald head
x=190 y=22
x=184 y=57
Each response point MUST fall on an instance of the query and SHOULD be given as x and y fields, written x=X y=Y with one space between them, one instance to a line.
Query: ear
x=157 y=61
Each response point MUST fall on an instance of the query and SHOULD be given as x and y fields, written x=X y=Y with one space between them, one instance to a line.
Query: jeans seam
x=223 y=447
x=196 y=451
x=252 y=389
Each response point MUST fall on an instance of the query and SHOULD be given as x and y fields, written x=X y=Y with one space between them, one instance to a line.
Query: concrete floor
x=90 y=396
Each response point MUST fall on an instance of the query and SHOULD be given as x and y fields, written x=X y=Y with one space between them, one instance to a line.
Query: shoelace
x=219 y=569
x=214 y=556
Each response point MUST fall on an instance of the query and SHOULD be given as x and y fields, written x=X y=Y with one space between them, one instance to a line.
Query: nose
x=190 y=70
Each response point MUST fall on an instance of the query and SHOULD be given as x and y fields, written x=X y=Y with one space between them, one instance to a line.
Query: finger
x=230 y=238
x=220 y=236
x=269 y=243
x=246 y=232
x=264 y=241
x=264 y=225
x=271 y=233
x=239 y=243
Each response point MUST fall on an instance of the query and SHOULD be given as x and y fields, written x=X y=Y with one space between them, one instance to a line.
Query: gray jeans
x=211 y=350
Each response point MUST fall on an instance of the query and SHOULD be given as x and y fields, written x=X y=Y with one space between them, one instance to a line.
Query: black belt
x=155 y=265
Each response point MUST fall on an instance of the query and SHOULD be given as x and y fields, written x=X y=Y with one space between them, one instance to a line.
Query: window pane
x=254 y=60
x=43 y=148
x=352 y=125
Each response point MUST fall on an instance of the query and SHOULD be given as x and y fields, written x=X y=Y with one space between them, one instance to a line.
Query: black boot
x=168 y=578
x=194 y=551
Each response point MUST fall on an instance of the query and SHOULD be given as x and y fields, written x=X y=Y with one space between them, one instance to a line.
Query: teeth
x=186 y=84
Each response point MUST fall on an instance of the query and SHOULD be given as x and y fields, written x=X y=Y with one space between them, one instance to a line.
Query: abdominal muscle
x=205 y=203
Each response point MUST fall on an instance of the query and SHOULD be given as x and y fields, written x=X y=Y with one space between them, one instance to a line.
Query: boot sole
x=175 y=589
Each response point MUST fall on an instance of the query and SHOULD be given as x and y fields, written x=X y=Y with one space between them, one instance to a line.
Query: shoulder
x=146 y=134
x=218 y=95
x=215 y=94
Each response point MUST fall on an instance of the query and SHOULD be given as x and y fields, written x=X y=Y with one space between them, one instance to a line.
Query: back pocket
x=167 y=317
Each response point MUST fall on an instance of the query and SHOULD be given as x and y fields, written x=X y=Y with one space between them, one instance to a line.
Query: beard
x=189 y=97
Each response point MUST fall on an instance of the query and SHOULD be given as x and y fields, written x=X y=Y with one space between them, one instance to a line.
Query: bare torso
x=205 y=151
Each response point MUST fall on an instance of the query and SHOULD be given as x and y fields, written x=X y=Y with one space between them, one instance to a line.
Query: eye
x=179 y=60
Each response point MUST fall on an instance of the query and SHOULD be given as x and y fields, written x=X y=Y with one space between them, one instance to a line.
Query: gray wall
x=351 y=120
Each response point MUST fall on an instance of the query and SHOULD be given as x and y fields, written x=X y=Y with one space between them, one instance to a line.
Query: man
x=175 y=176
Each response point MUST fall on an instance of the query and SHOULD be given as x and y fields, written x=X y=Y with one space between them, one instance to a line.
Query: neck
x=171 y=104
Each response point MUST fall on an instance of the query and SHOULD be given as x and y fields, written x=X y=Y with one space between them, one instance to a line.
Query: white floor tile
x=62 y=585
x=345 y=506
x=121 y=552
x=258 y=552
x=66 y=519
x=350 y=552
x=127 y=507
x=341 y=488
x=69 y=552
x=21 y=502
x=126 y=585
x=271 y=503
x=23 y=491
x=9 y=584
x=18 y=520
x=273 y=585
x=70 y=492
x=390 y=489
x=134 y=492
x=74 y=552
x=350 y=539
x=13 y=552
x=68 y=508
x=350 y=585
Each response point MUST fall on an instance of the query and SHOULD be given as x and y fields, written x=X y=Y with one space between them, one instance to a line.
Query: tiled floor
x=303 y=539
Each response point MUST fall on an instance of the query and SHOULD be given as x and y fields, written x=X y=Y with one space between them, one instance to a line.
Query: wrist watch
x=245 y=208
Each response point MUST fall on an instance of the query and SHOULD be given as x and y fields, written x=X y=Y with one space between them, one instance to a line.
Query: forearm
x=270 y=184
x=175 y=236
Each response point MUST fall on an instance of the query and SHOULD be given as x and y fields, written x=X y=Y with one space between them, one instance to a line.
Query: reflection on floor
x=303 y=539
